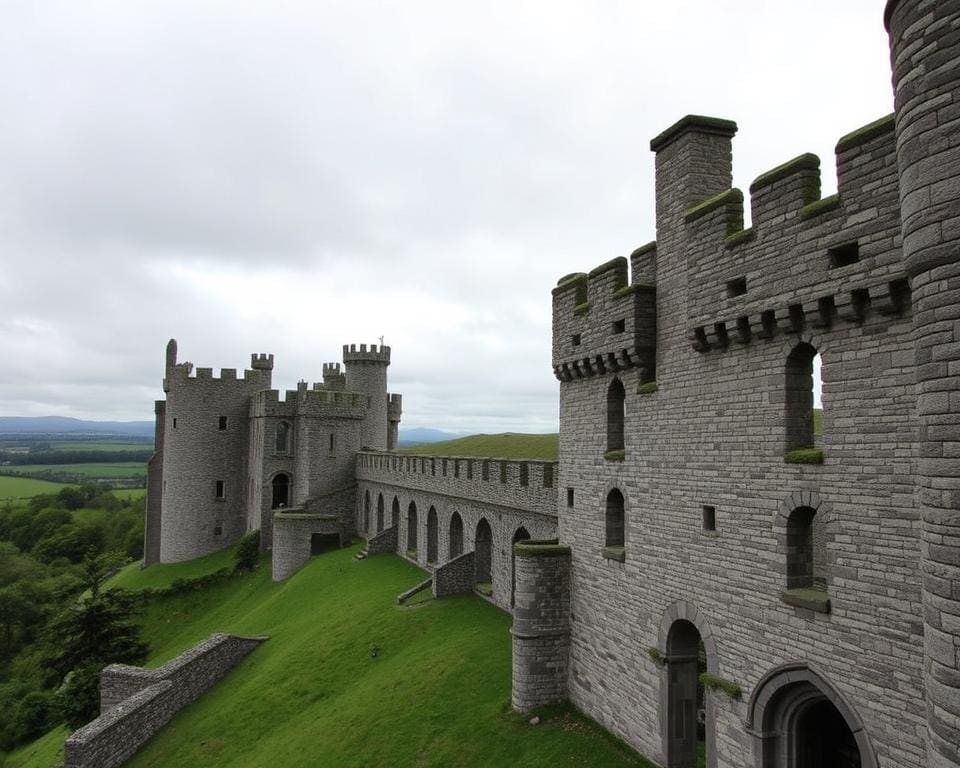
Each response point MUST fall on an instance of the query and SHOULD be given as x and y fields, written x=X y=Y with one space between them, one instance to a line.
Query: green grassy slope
x=350 y=679
x=510 y=445
x=163 y=575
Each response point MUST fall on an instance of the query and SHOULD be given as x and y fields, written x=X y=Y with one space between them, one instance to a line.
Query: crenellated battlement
x=186 y=374
x=806 y=261
x=261 y=362
x=528 y=484
x=363 y=354
x=309 y=401
x=602 y=321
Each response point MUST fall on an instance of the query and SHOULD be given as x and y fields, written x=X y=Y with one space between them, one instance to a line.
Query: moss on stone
x=817 y=207
x=647 y=388
x=618 y=266
x=618 y=455
x=654 y=653
x=573 y=280
x=651 y=246
x=731 y=197
x=581 y=309
x=866 y=133
x=811 y=598
x=805 y=162
x=716 y=125
x=743 y=236
x=715 y=683
x=615 y=553
x=804 y=456
x=628 y=290
x=535 y=549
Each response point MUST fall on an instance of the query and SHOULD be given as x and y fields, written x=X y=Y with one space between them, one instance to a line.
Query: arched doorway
x=520 y=535
x=800 y=721
x=686 y=710
x=412 y=529
x=456 y=535
x=366 y=511
x=281 y=491
x=483 y=557
x=395 y=514
x=432 y=535
x=379 y=513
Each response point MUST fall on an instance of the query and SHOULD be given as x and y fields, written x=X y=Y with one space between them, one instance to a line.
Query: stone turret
x=366 y=372
x=925 y=49
x=541 y=624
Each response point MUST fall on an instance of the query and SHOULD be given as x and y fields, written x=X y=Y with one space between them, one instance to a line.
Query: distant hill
x=419 y=435
x=55 y=425
x=509 y=445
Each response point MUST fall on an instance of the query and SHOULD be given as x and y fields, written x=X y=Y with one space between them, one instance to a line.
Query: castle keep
x=702 y=569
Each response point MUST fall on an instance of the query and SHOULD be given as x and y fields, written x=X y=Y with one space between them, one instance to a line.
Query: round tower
x=924 y=50
x=541 y=624
x=366 y=372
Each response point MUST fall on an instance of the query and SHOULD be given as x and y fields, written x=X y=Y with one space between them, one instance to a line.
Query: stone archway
x=379 y=513
x=456 y=535
x=521 y=534
x=799 y=720
x=483 y=555
x=281 y=491
x=433 y=535
x=687 y=723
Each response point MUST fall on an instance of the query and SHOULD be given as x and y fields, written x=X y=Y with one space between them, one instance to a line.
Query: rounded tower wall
x=366 y=372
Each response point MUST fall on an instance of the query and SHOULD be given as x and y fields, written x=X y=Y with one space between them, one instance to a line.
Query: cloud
x=292 y=176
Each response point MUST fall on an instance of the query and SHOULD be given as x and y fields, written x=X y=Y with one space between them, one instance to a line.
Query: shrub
x=247 y=552
x=78 y=699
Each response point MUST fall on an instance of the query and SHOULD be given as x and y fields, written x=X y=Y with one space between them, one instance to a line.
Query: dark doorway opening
x=686 y=711
x=281 y=491
x=432 y=535
x=324 y=542
x=483 y=557
x=520 y=535
x=456 y=535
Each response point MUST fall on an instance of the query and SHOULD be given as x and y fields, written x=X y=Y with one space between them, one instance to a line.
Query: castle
x=699 y=565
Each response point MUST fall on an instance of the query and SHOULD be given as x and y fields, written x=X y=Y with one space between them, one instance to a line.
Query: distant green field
x=129 y=493
x=25 y=487
x=509 y=445
x=121 y=469
x=80 y=445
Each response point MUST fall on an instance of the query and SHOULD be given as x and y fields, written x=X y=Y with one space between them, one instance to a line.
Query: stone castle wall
x=135 y=703
x=731 y=307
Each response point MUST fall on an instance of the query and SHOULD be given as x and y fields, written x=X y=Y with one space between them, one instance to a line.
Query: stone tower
x=925 y=48
x=366 y=372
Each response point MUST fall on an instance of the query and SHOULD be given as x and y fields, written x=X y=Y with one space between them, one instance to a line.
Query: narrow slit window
x=220 y=489
x=524 y=473
x=709 y=518
x=569 y=497
x=223 y=423
x=332 y=442
x=616 y=397
x=575 y=339
x=619 y=326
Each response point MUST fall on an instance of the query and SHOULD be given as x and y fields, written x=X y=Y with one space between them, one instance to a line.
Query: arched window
x=282 y=442
x=366 y=510
x=456 y=536
x=395 y=515
x=805 y=550
x=412 y=529
x=432 y=535
x=799 y=398
x=379 y=512
x=615 y=519
x=616 y=397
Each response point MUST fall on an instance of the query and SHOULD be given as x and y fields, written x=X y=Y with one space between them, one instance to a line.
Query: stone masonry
x=701 y=570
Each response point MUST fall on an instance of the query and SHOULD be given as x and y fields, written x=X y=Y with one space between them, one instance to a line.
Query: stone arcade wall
x=731 y=305
x=135 y=703
x=510 y=498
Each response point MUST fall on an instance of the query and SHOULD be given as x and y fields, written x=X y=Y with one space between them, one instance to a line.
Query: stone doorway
x=324 y=542
x=432 y=535
x=685 y=705
x=483 y=557
x=281 y=491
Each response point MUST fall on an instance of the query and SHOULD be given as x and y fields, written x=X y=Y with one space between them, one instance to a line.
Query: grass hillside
x=509 y=445
x=348 y=678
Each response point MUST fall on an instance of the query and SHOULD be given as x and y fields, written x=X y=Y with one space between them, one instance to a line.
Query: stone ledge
x=614 y=553
x=807 y=597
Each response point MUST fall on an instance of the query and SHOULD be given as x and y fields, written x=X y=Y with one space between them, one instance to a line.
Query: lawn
x=25 y=487
x=348 y=678
x=163 y=574
x=117 y=469
x=81 y=445
x=510 y=445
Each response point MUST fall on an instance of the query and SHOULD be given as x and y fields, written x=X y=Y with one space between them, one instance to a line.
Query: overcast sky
x=287 y=177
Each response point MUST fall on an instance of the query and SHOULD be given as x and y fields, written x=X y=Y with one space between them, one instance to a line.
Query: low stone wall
x=135 y=703
x=454 y=577
x=383 y=543
x=292 y=533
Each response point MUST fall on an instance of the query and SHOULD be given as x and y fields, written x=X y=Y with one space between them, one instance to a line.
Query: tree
x=248 y=552
x=96 y=630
